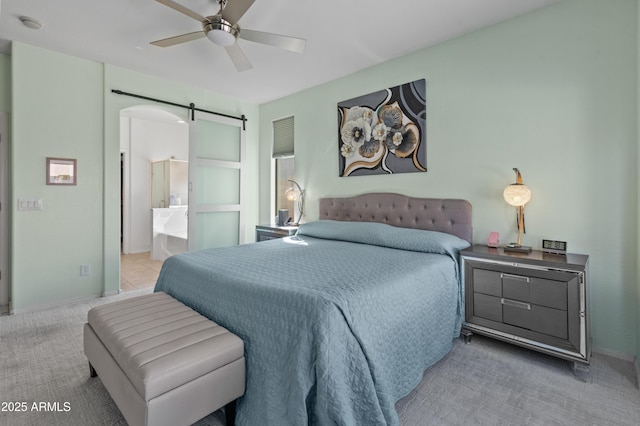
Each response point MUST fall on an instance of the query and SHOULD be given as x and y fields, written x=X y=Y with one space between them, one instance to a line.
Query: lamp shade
x=517 y=194
x=292 y=194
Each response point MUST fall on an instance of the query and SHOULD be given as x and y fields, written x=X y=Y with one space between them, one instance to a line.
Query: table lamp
x=296 y=194
x=517 y=195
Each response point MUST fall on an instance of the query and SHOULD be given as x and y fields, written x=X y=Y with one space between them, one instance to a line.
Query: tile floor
x=138 y=271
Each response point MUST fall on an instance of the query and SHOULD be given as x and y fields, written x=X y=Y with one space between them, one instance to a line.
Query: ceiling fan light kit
x=220 y=31
x=223 y=30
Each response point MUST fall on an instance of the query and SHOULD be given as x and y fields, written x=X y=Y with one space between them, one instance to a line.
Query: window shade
x=283 y=137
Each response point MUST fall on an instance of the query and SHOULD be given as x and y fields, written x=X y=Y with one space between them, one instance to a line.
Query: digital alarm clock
x=554 y=247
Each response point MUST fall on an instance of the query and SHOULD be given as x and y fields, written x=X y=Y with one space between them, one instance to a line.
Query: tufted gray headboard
x=434 y=214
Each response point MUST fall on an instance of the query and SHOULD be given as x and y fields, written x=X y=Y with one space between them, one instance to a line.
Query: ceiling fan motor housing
x=220 y=31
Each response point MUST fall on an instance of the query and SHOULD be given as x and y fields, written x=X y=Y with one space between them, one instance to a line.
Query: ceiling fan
x=223 y=30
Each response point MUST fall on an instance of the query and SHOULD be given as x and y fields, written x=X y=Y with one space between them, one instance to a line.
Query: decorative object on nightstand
x=517 y=195
x=494 y=240
x=536 y=300
x=554 y=247
x=296 y=194
x=283 y=217
x=270 y=232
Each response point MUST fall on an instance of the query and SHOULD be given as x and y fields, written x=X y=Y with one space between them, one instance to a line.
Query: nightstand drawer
x=539 y=291
x=549 y=293
x=552 y=322
x=517 y=287
x=487 y=307
x=487 y=282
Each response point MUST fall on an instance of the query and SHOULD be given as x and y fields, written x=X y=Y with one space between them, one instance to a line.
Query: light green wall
x=637 y=360
x=5 y=107
x=57 y=112
x=5 y=83
x=553 y=93
x=63 y=107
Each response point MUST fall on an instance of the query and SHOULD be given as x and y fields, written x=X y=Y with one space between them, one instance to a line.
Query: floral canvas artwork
x=384 y=132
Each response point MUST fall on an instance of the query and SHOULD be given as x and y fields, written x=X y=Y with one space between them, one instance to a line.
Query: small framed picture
x=62 y=171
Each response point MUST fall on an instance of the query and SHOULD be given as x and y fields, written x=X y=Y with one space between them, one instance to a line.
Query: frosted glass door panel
x=216 y=160
x=217 y=229
x=227 y=185
x=227 y=141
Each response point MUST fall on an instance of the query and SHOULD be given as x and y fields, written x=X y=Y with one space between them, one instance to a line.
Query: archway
x=148 y=134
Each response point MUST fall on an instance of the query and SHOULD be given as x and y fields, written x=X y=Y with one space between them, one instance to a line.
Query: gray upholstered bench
x=162 y=362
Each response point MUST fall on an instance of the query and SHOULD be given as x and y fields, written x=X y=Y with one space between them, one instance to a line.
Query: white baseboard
x=139 y=251
x=80 y=299
x=54 y=304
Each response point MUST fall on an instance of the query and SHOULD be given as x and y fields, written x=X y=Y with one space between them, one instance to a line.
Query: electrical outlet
x=85 y=270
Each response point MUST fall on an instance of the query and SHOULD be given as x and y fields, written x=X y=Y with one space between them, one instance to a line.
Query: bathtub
x=169 y=234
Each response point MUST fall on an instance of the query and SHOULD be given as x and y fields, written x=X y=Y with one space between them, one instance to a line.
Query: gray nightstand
x=536 y=300
x=270 y=232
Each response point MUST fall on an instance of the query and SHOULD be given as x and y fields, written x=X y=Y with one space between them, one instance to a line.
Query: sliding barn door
x=216 y=161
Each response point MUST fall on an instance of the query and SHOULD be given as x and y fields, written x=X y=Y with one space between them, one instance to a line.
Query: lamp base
x=517 y=248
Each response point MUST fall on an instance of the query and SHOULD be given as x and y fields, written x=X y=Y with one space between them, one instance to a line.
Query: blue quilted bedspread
x=339 y=322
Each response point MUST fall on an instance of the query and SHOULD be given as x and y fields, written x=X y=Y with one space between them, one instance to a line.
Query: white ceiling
x=343 y=36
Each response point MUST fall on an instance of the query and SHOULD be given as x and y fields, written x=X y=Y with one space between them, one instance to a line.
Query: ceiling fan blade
x=293 y=44
x=234 y=10
x=238 y=57
x=180 y=8
x=171 y=41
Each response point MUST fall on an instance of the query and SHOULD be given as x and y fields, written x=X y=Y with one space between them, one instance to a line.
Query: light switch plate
x=29 y=203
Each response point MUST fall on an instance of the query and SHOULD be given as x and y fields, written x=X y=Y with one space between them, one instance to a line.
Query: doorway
x=147 y=134
x=214 y=149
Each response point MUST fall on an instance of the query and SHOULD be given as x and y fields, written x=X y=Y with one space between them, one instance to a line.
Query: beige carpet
x=485 y=382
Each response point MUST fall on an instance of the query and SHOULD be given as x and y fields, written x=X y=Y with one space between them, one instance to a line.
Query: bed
x=341 y=320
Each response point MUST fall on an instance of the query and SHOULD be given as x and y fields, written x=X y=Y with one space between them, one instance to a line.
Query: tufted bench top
x=160 y=343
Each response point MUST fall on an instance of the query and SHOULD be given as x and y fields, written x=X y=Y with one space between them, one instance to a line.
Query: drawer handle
x=514 y=277
x=516 y=304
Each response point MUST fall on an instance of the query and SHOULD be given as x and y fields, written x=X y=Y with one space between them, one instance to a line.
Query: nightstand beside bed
x=270 y=232
x=536 y=300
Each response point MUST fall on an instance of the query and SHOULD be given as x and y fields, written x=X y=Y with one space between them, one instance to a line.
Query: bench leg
x=230 y=413
x=92 y=371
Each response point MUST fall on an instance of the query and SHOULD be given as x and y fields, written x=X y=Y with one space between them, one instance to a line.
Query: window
x=283 y=154
x=284 y=172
